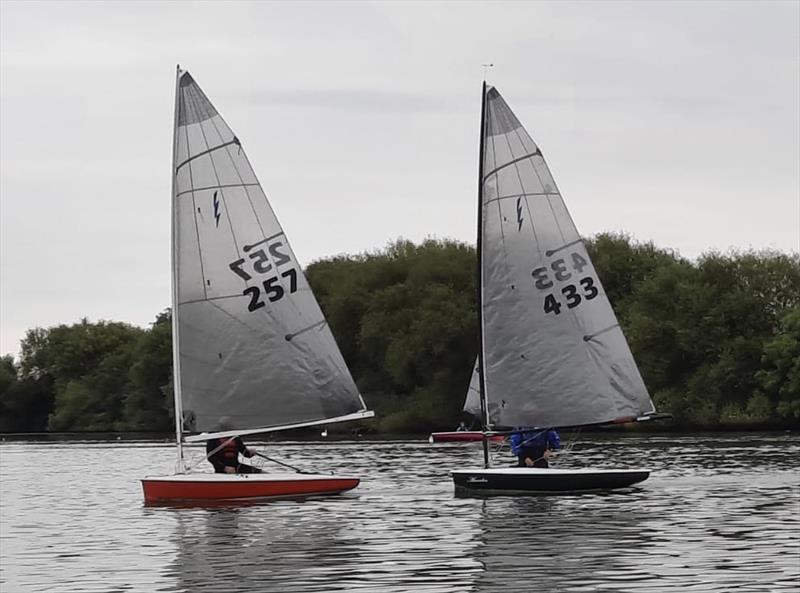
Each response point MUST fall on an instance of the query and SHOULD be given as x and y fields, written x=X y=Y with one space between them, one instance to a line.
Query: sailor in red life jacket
x=223 y=452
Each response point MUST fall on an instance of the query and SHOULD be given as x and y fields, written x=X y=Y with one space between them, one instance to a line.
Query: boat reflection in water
x=261 y=547
x=561 y=543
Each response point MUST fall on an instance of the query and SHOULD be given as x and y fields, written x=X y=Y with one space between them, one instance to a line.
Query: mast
x=479 y=283
x=176 y=359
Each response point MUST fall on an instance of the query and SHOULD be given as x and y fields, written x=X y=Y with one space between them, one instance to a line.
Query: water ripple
x=719 y=513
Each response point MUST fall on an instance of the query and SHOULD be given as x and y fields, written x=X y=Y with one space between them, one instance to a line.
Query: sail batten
x=253 y=345
x=205 y=152
x=515 y=161
x=552 y=350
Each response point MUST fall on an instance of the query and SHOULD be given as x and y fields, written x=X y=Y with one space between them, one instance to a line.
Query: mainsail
x=553 y=351
x=253 y=344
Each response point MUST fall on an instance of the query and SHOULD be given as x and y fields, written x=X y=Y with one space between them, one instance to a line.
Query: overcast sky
x=675 y=122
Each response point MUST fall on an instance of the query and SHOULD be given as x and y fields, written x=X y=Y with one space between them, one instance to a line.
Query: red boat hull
x=461 y=436
x=211 y=487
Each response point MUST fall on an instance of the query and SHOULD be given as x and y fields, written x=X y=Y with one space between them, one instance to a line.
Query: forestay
x=253 y=343
x=554 y=353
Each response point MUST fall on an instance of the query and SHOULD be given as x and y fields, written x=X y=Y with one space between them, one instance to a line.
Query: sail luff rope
x=176 y=369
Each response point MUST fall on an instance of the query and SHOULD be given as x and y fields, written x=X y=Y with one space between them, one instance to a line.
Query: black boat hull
x=543 y=481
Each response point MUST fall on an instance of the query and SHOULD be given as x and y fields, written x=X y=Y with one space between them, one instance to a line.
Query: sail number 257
x=261 y=263
x=560 y=271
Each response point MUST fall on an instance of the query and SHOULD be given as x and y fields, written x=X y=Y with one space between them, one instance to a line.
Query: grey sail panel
x=472 y=403
x=253 y=344
x=554 y=352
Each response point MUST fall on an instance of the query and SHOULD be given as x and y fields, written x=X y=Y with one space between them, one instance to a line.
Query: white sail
x=554 y=354
x=253 y=344
x=472 y=403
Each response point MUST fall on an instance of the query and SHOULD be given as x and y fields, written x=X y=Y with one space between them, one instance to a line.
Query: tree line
x=717 y=341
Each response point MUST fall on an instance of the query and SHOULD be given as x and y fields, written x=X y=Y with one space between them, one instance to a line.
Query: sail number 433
x=560 y=271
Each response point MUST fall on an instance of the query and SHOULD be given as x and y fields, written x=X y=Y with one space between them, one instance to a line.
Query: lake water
x=719 y=513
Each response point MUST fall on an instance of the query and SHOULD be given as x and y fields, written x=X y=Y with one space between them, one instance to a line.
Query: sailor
x=462 y=427
x=533 y=448
x=223 y=452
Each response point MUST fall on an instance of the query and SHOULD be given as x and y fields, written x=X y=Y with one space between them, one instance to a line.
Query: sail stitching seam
x=255 y=212
x=522 y=185
x=538 y=177
x=573 y=313
x=300 y=273
x=241 y=179
x=293 y=304
x=216 y=176
x=236 y=319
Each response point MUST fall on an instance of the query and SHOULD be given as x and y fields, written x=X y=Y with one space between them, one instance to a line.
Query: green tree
x=623 y=264
x=24 y=403
x=717 y=340
x=404 y=318
x=698 y=331
x=148 y=401
x=779 y=378
x=87 y=365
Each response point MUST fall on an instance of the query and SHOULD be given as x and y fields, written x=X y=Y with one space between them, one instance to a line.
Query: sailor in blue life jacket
x=534 y=447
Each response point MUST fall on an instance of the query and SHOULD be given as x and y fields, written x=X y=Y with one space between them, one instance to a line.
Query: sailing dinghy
x=551 y=352
x=461 y=436
x=250 y=343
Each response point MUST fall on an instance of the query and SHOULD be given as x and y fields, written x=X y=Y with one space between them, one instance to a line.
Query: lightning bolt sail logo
x=216 y=209
x=519 y=214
